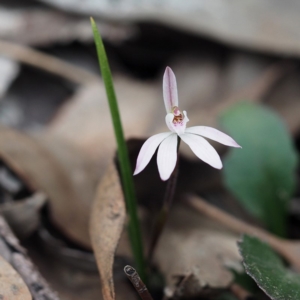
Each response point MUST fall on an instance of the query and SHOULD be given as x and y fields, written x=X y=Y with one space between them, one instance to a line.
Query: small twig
x=16 y=255
x=287 y=248
x=46 y=62
x=137 y=282
x=231 y=222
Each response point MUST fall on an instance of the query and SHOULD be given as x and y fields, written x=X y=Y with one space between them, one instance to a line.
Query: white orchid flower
x=167 y=141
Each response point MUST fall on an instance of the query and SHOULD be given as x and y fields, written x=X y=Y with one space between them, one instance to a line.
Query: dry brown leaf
x=284 y=98
x=42 y=26
x=86 y=122
x=12 y=285
x=196 y=249
x=59 y=170
x=24 y=216
x=46 y=26
x=8 y=72
x=240 y=71
x=261 y=24
x=198 y=79
x=106 y=226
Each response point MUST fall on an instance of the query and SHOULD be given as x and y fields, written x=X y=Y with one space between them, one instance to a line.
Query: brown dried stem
x=46 y=62
x=165 y=210
x=15 y=254
x=288 y=249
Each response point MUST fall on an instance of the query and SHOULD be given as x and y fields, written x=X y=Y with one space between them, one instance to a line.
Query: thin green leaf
x=126 y=172
x=268 y=270
x=262 y=175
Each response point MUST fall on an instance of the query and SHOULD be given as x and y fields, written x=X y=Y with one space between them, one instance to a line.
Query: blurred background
x=237 y=69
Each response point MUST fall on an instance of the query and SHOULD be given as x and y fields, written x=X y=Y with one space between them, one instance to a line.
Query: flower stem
x=164 y=212
x=126 y=172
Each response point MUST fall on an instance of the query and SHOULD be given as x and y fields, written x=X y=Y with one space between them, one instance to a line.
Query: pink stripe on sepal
x=170 y=90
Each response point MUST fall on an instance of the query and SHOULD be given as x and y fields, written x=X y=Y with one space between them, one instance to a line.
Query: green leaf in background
x=268 y=270
x=262 y=174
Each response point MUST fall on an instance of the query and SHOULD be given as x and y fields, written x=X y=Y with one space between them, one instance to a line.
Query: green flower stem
x=162 y=217
x=126 y=172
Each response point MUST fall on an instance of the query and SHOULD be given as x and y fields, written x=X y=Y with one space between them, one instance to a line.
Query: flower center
x=178 y=117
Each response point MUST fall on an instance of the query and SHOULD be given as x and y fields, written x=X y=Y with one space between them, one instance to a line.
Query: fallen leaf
x=85 y=120
x=8 y=72
x=106 y=226
x=261 y=25
x=23 y=216
x=284 y=99
x=12 y=285
x=43 y=26
x=198 y=78
x=241 y=70
x=58 y=169
x=195 y=250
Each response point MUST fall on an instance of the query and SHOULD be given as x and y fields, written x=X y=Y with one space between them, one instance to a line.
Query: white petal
x=202 y=149
x=178 y=128
x=170 y=90
x=148 y=149
x=214 y=134
x=167 y=156
x=185 y=117
x=169 y=121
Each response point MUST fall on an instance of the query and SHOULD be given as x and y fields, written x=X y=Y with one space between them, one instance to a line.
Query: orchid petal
x=170 y=90
x=178 y=128
x=148 y=149
x=169 y=121
x=167 y=156
x=185 y=116
x=202 y=149
x=213 y=134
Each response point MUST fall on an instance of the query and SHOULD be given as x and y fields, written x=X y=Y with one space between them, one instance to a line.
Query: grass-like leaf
x=126 y=172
